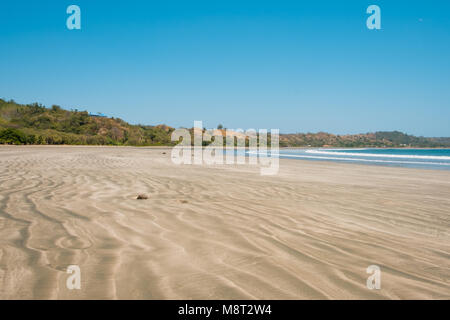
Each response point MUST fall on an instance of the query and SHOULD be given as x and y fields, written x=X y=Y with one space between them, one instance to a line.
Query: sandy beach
x=217 y=232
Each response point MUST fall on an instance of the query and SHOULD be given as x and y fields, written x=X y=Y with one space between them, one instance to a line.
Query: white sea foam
x=353 y=159
x=381 y=155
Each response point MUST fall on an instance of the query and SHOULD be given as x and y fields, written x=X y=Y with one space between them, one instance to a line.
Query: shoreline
x=282 y=157
x=156 y=147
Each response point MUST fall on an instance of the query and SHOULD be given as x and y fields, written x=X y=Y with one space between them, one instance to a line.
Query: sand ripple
x=217 y=232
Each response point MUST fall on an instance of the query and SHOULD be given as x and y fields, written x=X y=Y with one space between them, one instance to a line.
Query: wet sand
x=221 y=232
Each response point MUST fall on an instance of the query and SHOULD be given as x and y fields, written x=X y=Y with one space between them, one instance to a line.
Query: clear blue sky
x=294 y=65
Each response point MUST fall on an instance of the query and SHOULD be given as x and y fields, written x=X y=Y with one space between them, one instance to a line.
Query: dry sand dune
x=217 y=232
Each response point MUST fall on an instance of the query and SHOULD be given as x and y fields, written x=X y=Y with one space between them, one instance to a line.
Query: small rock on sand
x=142 y=197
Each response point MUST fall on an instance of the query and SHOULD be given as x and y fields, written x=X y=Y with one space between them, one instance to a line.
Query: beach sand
x=221 y=232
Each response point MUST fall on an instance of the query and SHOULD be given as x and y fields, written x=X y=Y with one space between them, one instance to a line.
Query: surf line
x=353 y=159
x=400 y=156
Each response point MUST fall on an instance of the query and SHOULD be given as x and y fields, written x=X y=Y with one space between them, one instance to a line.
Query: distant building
x=98 y=115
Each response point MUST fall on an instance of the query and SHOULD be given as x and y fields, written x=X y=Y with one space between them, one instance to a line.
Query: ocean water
x=413 y=158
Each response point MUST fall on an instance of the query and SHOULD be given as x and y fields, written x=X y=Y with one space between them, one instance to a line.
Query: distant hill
x=36 y=124
x=377 y=139
x=442 y=141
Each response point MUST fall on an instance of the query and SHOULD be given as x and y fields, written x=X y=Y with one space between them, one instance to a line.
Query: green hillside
x=36 y=124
